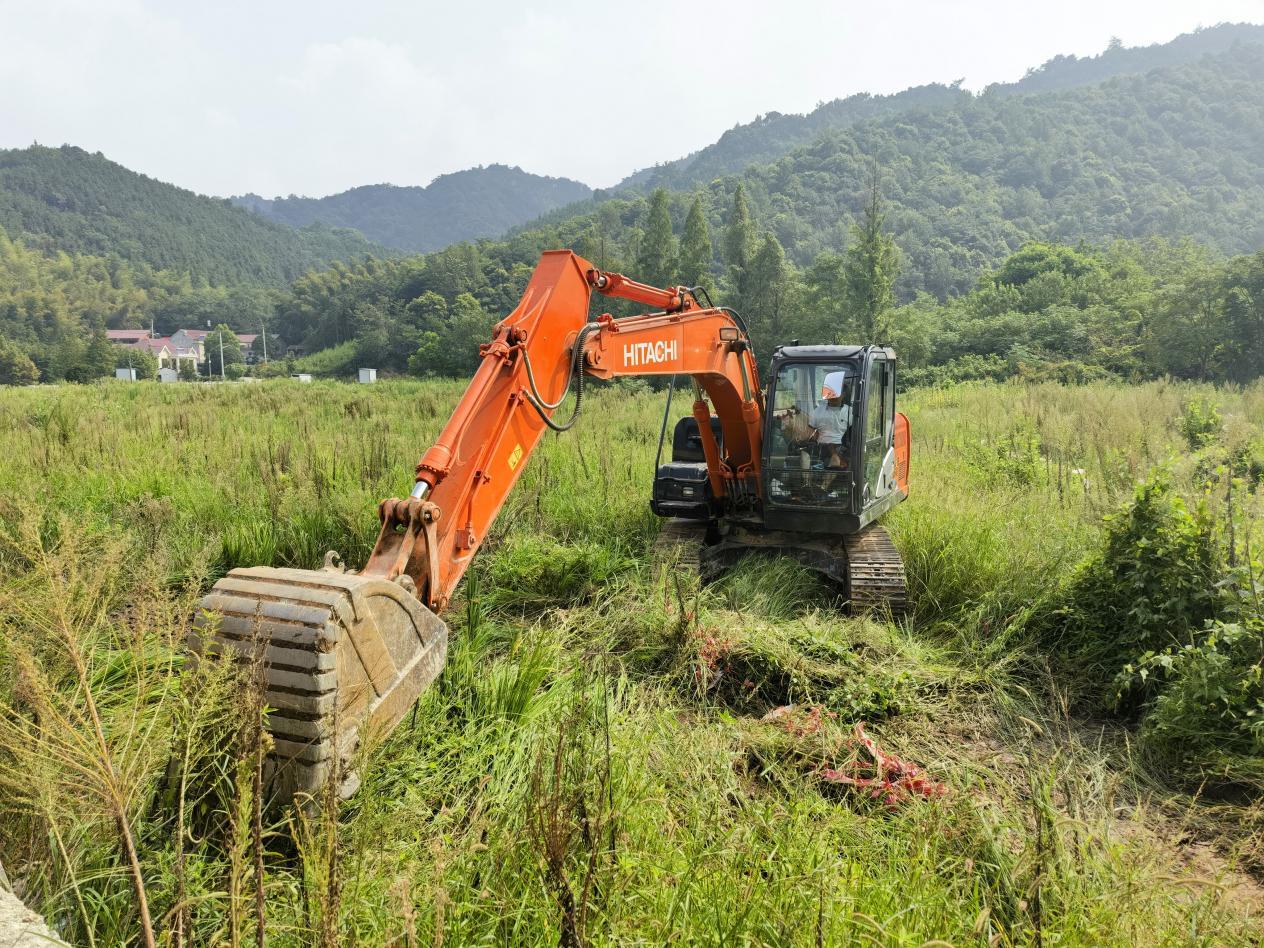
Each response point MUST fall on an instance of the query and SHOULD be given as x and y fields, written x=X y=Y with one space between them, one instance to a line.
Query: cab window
x=809 y=445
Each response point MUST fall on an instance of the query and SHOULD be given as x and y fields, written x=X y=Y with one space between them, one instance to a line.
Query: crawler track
x=679 y=543
x=875 y=573
x=867 y=565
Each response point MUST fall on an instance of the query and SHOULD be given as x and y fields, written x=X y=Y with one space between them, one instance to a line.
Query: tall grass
x=594 y=765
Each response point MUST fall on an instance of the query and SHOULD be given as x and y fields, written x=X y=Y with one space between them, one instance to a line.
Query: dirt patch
x=1204 y=865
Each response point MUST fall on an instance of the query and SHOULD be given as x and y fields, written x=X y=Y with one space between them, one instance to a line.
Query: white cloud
x=369 y=65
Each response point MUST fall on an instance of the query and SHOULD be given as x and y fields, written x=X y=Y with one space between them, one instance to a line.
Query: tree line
x=1126 y=309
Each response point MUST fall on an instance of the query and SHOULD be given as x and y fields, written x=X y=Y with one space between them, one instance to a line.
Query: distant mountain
x=65 y=199
x=465 y=205
x=774 y=135
x=770 y=136
x=1065 y=72
x=1176 y=152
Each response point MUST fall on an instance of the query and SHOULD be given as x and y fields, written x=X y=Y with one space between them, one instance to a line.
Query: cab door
x=879 y=429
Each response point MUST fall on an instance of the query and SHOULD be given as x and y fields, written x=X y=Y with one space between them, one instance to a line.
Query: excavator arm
x=542 y=349
x=344 y=654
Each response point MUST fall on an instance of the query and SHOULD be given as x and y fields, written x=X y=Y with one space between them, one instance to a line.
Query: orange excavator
x=804 y=468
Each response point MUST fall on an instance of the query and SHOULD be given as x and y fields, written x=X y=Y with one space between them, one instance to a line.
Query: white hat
x=832 y=387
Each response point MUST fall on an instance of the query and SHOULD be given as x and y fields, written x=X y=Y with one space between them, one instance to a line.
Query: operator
x=831 y=418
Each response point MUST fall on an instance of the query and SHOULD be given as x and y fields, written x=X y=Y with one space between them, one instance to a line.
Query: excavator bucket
x=342 y=657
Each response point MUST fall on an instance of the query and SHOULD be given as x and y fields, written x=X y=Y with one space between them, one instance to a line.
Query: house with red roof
x=183 y=345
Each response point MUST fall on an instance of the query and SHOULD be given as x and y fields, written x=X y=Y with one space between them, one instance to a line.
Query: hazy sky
x=312 y=97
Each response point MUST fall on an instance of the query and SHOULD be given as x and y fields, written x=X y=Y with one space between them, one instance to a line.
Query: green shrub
x=1248 y=462
x=1152 y=585
x=1200 y=423
x=967 y=368
x=145 y=363
x=335 y=361
x=1014 y=458
x=1208 y=716
x=270 y=370
x=16 y=367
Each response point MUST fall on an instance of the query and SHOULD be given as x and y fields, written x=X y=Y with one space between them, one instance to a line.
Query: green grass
x=593 y=764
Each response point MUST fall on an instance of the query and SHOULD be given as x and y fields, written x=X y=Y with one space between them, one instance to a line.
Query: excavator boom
x=537 y=354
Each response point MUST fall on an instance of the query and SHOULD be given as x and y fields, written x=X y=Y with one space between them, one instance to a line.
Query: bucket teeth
x=341 y=656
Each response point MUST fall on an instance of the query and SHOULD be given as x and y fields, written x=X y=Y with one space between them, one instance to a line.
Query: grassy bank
x=595 y=765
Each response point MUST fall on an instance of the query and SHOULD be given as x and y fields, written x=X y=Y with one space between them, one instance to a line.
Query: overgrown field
x=596 y=765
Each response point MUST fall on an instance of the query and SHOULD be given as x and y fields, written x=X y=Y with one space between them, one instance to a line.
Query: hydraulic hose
x=662 y=433
x=576 y=375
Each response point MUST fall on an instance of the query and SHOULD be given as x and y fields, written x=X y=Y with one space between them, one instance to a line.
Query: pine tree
x=739 y=239
x=695 y=248
x=98 y=359
x=656 y=261
x=766 y=279
x=739 y=247
x=872 y=263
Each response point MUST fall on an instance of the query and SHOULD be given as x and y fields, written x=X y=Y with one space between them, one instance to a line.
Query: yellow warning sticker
x=514 y=457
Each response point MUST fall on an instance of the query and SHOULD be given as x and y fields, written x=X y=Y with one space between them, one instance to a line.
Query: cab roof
x=821 y=353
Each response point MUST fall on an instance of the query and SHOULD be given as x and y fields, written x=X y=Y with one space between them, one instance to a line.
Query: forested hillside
x=65 y=199
x=477 y=202
x=980 y=210
x=1178 y=152
x=53 y=308
x=774 y=135
x=1130 y=310
x=1102 y=230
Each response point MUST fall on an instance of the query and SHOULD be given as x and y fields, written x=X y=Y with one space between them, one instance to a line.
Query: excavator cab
x=832 y=446
x=830 y=441
x=835 y=459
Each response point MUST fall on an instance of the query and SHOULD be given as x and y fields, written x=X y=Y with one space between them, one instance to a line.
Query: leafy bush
x=335 y=361
x=1014 y=458
x=16 y=367
x=1152 y=585
x=1248 y=462
x=1200 y=423
x=270 y=370
x=145 y=363
x=967 y=368
x=1209 y=715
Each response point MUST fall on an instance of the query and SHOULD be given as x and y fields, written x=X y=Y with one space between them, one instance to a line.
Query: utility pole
x=264 y=327
x=223 y=369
